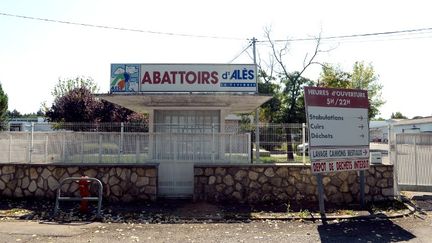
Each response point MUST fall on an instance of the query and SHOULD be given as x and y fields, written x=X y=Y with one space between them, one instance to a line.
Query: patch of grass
x=346 y=212
x=107 y=158
x=304 y=213
x=15 y=212
x=282 y=158
x=89 y=147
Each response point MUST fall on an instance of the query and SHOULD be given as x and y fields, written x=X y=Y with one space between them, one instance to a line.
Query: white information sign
x=338 y=128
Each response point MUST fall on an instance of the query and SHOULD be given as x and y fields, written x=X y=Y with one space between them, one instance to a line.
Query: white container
x=375 y=158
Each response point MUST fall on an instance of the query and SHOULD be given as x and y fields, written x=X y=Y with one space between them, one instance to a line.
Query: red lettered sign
x=338 y=128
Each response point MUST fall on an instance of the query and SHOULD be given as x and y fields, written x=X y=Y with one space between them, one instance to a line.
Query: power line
x=120 y=28
x=350 y=36
x=238 y=55
x=386 y=33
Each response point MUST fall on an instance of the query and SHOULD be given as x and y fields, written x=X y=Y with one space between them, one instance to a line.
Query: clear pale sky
x=35 y=54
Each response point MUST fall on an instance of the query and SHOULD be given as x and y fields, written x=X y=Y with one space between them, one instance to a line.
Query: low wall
x=121 y=182
x=258 y=183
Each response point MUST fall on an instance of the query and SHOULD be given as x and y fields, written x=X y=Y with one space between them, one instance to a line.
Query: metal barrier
x=76 y=180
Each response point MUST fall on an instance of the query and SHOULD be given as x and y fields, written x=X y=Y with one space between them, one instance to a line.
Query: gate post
x=304 y=142
x=415 y=161
x=395 y=167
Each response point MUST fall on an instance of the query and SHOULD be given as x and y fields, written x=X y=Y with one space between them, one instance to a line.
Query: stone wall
x=257 y=183
x=120 y=182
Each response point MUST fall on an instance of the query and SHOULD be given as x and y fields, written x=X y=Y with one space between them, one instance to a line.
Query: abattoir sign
x=338 y=129
x=183 y=78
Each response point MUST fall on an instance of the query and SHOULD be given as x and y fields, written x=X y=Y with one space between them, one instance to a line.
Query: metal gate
x=181 y=138
x=414 y=162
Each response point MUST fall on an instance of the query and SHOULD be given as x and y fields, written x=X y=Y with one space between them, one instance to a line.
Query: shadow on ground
x=382 y=230
x=423 y=201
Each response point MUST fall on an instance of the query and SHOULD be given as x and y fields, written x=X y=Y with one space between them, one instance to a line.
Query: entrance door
x=183 y=137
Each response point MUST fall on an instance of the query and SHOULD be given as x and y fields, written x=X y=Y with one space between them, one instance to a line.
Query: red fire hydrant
x=84 y=189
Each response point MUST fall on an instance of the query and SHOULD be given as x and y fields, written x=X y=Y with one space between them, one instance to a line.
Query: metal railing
x=277 y=140
x=60 y=198
x=121 y=147
x=131 y=142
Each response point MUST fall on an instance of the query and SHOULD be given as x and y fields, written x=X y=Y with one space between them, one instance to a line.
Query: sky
x=35 y=54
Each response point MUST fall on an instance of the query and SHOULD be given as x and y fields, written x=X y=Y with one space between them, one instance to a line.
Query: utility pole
x=257 y=130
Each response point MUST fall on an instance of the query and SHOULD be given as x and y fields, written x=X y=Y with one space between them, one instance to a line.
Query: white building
x=188 y=105
x=420 y=125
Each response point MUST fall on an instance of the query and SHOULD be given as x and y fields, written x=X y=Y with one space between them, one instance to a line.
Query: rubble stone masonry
x=120 y=182
x=281 y=182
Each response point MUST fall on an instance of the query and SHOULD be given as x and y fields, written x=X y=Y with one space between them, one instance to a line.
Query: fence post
x=257 y=137
x=46 y=149
x=82 y=148
x=249 y=147
x=230 y=147
x=64 y=147
x=31 y=141
x=100 y=148
x=10 y=148
x=395 y=169
x=120 y=151
x=137 y=148
x=213 y=144
x=304 y=142
x=415 y=161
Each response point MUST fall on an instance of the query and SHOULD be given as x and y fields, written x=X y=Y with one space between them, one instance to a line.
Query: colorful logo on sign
x=124 y=77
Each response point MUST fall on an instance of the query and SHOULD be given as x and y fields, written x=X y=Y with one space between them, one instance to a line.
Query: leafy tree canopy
x=361 y=77
x=398 y=115
x=75 y=102
x=64 y=86
x=3 y=109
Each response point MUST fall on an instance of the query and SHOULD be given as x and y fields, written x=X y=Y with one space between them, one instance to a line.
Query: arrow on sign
x=362 y=136
x=365 y=152
x=360 y=117
x=361 y=126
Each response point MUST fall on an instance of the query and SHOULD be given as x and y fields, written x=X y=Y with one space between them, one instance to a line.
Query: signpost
x=338 y=128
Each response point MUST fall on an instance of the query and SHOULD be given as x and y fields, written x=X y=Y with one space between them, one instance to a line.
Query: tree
x=64 y=86
x=398 y=115
x=74 y=102
x=3 y=109
x=361 y=77
x=290 y=85
x=76 y=105
x=14 y=114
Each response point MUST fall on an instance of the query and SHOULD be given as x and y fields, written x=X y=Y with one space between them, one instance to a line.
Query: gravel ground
x=413 y=229
x=183 y=221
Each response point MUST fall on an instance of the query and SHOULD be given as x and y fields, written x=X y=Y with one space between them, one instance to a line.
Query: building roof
x=144 y=102
x=414 y=121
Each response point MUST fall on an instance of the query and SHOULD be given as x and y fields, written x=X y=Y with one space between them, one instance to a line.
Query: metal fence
x=117 y=147
x=132 y=142
x=277 y=140
x=413 y=160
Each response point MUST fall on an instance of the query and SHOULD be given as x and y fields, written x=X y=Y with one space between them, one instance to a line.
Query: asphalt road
x=412 y=229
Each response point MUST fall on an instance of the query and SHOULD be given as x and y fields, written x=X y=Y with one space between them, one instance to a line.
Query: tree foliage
x=284 y=83
x=361 y=77
x=286 y=86
x=398 y=115
x=3 y=109
x=16 y=114
x=64 y=86
x=74 y=102
x=76 y=105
